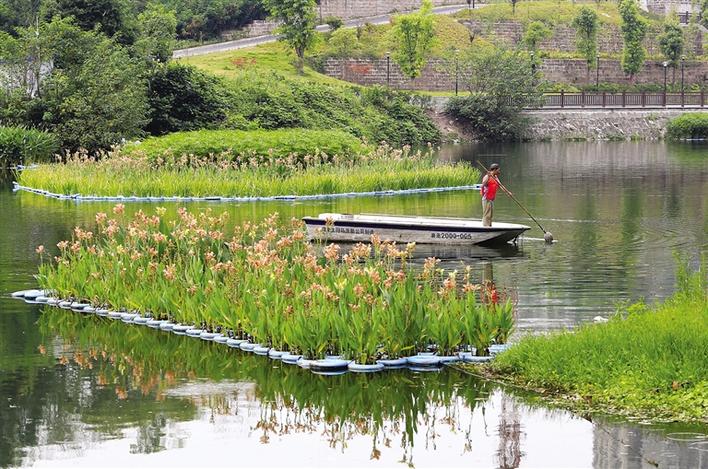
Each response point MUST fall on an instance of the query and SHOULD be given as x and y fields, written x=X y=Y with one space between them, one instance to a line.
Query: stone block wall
x=436 y=78
x=664 y=7
x=347 y=9
x=564 y=38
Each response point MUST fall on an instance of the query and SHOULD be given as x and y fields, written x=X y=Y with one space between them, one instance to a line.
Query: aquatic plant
x=265 y=282
x=227 y=174
x=647 y=361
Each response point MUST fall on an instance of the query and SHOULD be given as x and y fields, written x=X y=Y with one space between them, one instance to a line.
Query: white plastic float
x=293 y=198
x=330 y=365
x=393 y=362
x=247 y=346
x=290 y=359
x=358 y=368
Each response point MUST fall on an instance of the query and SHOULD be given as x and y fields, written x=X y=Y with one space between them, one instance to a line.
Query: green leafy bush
x=374 y=114
x=275 y=143
x=20 y=145
x=692 y=125
x=182 y=97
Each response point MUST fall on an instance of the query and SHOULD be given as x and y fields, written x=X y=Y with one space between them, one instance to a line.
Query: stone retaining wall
x=564 y=37
x=347 y=9
x=436 y=78
x=599 y=125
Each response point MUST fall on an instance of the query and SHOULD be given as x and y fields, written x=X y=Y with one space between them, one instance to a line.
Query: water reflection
x=619 y=211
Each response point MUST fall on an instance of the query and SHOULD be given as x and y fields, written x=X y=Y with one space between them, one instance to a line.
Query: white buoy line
x=329 y=365
x=120 y=198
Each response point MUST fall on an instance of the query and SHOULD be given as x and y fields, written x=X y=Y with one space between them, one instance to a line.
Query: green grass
x=383 y=169
x=261 y=59
x=649 y=361
x=549 y=12
x=273 y=143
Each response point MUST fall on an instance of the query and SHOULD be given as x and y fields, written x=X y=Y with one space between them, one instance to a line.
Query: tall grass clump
x=268 y=284
x=646 y=360
x=21 y=145
x=692 y=125
x=226 y=174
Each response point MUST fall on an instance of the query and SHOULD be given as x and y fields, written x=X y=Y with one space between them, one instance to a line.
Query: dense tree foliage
x=671 y=41
x=501 y=84
x=536 y=32
x=414 y=37
x=183 y=98
x=586 y=25
x=298 y=18
x=634 y=29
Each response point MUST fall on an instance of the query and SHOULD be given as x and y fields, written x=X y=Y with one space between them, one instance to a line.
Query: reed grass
x=267 y=284
x=226 y=175
x=647 y=360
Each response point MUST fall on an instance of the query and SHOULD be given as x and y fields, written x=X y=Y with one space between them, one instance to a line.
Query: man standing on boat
x=490 y=184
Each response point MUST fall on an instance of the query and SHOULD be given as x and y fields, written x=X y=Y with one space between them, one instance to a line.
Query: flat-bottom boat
x=410 y=229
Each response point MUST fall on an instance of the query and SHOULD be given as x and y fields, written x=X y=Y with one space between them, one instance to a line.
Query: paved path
x=254 y=41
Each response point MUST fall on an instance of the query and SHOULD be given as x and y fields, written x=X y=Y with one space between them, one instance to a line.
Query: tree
x=513 y=6
x=110 y=15
x=671 y=42
x=633 y=31
x=586 y=26
x=501 y=83
x=157 y=29
x=704 y=13
x=184 y=98
x=298 y=18
x=414 y=36
x=96 y=94
x=535 y=33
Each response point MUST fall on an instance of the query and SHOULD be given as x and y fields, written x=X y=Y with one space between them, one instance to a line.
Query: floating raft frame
x=330 y=365
x=120 y=198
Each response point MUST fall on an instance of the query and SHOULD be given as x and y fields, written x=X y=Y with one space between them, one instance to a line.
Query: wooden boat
x=406 y=229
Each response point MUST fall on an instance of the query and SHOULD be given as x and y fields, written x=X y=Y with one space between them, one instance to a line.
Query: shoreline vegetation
x=271 y=286
x=250 y=174
x=648 y=361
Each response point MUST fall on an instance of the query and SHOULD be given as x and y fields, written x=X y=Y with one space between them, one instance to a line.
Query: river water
x=77 y=391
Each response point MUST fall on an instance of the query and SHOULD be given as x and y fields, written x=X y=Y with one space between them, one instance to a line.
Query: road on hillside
x=254 y=41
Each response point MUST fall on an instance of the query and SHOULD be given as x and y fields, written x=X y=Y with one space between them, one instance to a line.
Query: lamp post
x=388 y=69
x=457 y=70
x=665 y=64
x=683 y=60
x=597 y=73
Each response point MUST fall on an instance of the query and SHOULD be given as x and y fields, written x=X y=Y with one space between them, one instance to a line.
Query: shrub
x=692 y=125
x=274 y=143
x=375 y=114
x=334 y=22
x=182 y=97
x=19 y=145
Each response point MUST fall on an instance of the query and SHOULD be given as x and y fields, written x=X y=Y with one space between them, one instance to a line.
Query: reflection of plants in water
x=138 y=361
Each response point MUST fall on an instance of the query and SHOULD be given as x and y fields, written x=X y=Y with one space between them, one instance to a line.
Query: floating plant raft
x=264 y=288
x=410 y=229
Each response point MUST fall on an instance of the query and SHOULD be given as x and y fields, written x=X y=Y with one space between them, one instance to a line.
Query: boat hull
x=358 y=230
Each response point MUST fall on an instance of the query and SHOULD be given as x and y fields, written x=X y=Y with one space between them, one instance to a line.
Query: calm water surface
x=78 y=391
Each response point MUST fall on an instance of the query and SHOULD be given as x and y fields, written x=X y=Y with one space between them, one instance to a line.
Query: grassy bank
x=246 y=144
x=649 y=361
x=225 y=175
x=267 y=284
